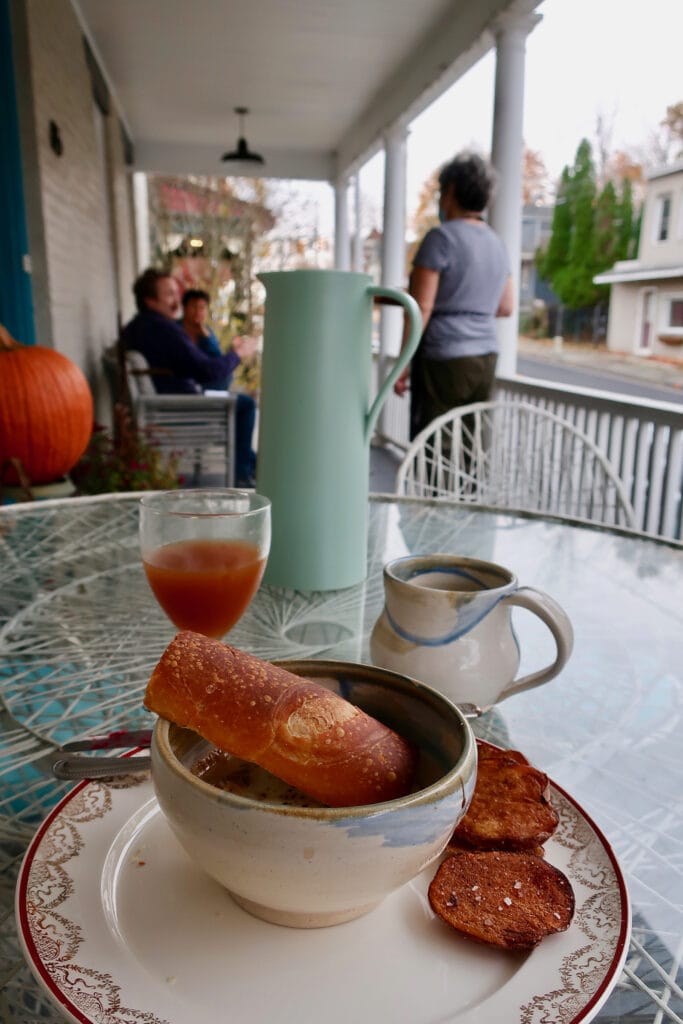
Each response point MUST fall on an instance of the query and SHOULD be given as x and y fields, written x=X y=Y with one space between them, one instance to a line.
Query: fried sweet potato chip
x=509 y=900
x=487 y=753
x=454 y=846
x=510 y=808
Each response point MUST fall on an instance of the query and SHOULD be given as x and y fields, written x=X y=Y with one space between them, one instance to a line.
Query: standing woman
x=461 y=282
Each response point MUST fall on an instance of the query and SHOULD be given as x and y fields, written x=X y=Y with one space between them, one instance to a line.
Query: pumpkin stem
x=7 y=342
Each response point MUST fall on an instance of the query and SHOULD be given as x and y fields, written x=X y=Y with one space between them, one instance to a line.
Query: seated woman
x=195 y=323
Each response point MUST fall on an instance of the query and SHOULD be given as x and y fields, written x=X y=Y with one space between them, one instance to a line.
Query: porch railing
x=643 y=441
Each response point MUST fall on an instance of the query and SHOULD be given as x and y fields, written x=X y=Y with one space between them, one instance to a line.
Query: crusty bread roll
x=294 y=728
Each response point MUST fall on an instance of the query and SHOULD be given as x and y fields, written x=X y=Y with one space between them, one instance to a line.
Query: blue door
x=16 y=304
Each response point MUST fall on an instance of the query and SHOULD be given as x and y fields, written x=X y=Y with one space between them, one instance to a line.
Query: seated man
x=162 y=341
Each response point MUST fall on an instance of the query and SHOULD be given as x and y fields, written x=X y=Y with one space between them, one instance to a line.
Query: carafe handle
x=559 y=624
x=413 y=310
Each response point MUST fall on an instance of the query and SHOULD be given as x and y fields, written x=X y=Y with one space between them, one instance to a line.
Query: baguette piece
x=510 y=900
x=294 y=728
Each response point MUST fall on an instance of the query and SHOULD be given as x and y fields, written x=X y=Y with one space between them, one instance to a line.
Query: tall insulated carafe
x=316 y=421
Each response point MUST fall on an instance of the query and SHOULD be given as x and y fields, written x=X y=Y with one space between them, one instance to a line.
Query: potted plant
x=127 y=459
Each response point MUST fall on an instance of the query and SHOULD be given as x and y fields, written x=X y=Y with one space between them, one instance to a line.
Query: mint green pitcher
x=316 y=422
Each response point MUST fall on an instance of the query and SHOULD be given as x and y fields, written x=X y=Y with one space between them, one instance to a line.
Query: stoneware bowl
x=309 y=867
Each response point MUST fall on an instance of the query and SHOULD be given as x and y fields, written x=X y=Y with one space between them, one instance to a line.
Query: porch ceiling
x=322 y=79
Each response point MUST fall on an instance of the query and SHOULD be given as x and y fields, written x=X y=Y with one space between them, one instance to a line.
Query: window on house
x=664 y=218
x=671 y=323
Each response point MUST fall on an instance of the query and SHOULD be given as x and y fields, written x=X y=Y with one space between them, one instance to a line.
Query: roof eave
x=636 y=276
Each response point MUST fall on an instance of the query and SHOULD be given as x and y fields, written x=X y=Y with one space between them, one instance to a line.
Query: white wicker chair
x=198 y=427
x=516 y=456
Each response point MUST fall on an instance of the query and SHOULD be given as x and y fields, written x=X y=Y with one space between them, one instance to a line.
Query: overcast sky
x=617 y=58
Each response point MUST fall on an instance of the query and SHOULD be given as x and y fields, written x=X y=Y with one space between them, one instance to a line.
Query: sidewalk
x=655 y=369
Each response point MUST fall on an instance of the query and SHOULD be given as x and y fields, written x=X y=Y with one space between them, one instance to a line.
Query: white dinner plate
x=119 y=926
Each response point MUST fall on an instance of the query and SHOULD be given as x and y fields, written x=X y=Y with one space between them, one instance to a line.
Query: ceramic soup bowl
x=313 y=866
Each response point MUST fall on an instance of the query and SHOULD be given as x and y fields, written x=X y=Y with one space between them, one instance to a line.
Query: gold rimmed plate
x=118 y=925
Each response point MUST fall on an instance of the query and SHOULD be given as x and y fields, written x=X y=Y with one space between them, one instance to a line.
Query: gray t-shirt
x=473 y=267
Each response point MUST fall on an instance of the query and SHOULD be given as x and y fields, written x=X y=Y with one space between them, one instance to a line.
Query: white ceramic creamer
x=446 y=621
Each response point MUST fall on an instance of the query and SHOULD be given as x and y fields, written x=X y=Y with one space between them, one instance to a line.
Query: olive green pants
x=437 y=385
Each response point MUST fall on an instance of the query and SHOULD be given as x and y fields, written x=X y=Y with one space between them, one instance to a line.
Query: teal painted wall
x=16 y=303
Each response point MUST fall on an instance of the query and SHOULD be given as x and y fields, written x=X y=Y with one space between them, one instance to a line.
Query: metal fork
x=65 y=766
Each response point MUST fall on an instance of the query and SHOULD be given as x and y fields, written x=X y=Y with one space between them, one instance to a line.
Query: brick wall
x=80 y=226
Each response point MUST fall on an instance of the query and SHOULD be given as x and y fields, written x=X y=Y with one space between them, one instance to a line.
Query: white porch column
x=358 y=233
x=342 y=253
x=393 y=243
x=141 y=218
x=393 y=247
x=507 y=148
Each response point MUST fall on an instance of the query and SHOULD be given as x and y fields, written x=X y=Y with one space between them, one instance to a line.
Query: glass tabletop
x=80 y=633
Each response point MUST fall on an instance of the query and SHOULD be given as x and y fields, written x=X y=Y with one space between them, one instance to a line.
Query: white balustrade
x=643 y=441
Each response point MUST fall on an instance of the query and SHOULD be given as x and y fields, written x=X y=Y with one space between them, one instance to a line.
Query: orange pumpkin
x=46 y=411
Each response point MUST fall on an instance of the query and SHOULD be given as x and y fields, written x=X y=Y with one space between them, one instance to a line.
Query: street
x=625 y=383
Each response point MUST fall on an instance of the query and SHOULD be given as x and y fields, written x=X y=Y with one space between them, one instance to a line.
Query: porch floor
x=383 y=465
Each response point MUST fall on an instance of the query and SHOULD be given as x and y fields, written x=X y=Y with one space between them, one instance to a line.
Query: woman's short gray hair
x=472 y=178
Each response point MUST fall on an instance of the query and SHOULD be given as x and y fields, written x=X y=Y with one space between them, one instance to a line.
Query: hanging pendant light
x=242 y=152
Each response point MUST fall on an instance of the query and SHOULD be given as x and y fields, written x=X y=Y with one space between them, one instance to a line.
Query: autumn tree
x=673 y=126
x=426 y=214
x=535 y=178
x=665 y=144
x=205 y=232
x=295 y=241
x=622 y=166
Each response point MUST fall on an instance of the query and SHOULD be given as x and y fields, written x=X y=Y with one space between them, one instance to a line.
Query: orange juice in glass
x=204 y=553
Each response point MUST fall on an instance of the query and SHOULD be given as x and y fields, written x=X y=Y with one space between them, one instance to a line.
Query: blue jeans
x=245 y=457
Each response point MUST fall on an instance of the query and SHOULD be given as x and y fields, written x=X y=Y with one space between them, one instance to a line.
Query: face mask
x=442 y=215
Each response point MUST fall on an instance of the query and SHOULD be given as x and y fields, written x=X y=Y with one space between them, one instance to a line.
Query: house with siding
x=536 y=231
x=646 y=300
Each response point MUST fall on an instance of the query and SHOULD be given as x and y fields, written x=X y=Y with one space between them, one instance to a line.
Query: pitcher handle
x=409 y=304
x=559 y=624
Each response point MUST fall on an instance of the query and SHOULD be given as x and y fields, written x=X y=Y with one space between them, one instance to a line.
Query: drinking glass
x=204 y=553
